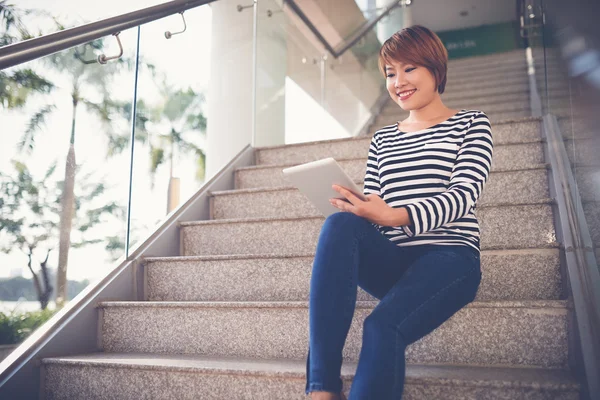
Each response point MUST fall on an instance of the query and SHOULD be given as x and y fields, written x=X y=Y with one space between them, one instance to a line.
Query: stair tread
x=274 y=219
x=512 y=377
x=506 y=121
x=560 y=305
x=289 y=187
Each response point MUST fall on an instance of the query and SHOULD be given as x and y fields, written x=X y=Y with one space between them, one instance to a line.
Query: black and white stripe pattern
x=437 y=174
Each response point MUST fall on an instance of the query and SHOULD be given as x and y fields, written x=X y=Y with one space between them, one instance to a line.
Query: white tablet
x=314 y=180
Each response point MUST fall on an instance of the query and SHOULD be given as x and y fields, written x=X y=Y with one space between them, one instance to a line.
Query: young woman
x=414 y=244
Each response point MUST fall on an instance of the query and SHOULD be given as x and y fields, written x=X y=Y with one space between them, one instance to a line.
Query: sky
x=185 y=68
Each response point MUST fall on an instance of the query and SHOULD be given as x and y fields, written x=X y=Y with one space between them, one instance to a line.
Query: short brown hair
x=419 y=46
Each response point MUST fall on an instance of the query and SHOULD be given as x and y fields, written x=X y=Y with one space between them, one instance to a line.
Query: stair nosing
x=275 y=256
x=562 y=305
x=526 y=377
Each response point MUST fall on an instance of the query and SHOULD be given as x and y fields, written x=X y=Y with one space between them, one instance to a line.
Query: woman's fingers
x=346 y=193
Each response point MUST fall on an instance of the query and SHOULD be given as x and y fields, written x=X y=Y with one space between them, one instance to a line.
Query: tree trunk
x=174 y=186
x=36 y=280
x=66 y=218
x=47 y=294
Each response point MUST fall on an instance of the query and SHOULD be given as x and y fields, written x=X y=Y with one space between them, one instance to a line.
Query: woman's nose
x=399 y=82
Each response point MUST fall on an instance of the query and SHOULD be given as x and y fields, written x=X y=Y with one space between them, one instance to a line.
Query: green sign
x=486 y=39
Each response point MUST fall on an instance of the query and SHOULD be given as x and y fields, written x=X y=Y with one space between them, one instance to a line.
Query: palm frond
x=157 y=157
x=200 y=165
x=36 y=122
x=16 y=88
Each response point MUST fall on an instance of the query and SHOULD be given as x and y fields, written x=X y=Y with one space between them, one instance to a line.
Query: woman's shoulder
x=476 y=113
x=385 y=130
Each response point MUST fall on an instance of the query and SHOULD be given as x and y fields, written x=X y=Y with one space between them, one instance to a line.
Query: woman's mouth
x=406 y=94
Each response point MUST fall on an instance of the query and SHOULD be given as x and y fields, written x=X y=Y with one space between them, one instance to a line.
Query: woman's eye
x=409 y=69
x=390 y=75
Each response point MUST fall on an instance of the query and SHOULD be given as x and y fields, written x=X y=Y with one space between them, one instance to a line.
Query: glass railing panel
x=353 y=84
x=171 y=117
x=290 y=81
x=63 y=177
x=323 y=96
x=573 y=96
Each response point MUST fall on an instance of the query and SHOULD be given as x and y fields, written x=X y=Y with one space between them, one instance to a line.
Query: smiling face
x=411 y=86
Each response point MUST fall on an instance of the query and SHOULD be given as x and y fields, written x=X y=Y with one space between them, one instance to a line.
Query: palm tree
x=179 y=115
x=85 y=81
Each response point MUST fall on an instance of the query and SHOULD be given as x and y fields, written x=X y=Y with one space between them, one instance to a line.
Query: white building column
x=229 y=98
x=399 y=18
x=230 y=93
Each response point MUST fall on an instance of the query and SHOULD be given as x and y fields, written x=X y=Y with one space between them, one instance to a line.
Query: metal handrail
x=366 y=28
x=32 y=49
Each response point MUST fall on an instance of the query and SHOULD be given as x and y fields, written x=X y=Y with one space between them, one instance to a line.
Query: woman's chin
x=404 y=106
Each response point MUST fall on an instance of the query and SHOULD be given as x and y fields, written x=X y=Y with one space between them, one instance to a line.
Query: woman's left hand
x=375 y=209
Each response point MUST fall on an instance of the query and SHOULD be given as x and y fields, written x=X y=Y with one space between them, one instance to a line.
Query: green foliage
x=30 y=209
x=172 y=124
x=14 y=328
x=17 y=86
x=12 y=25
x=18 y=288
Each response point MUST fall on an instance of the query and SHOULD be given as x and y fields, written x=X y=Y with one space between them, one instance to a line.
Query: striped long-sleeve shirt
x=437 y=174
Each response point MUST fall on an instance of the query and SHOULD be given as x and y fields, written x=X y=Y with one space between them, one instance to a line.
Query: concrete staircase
x=228 y=319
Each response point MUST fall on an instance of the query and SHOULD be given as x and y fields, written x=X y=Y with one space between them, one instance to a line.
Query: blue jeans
x=420 y=287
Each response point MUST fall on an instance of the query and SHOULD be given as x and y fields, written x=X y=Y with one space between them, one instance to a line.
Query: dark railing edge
x=354 y=38
x=31 y=49
x=581 y=263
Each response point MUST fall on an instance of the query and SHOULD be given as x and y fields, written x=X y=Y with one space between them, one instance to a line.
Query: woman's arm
x=372 y=174
x=469 y=175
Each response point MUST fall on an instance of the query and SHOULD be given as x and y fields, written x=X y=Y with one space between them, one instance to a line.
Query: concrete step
x=506 y=158
x=583 y=152
x=521 y=76
x=125 y=376
x=483 y=74
x=490 y=107
x=576 y=128
x=588 y=179
x=523 y=130
x=591 y=211
x=495 y=117
x=535 y=229
x=486 y=97
x=466 y=86
x=489 y=59
x=503 y=333
x=510 y=187
x=530 y=274
x=483 y=92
